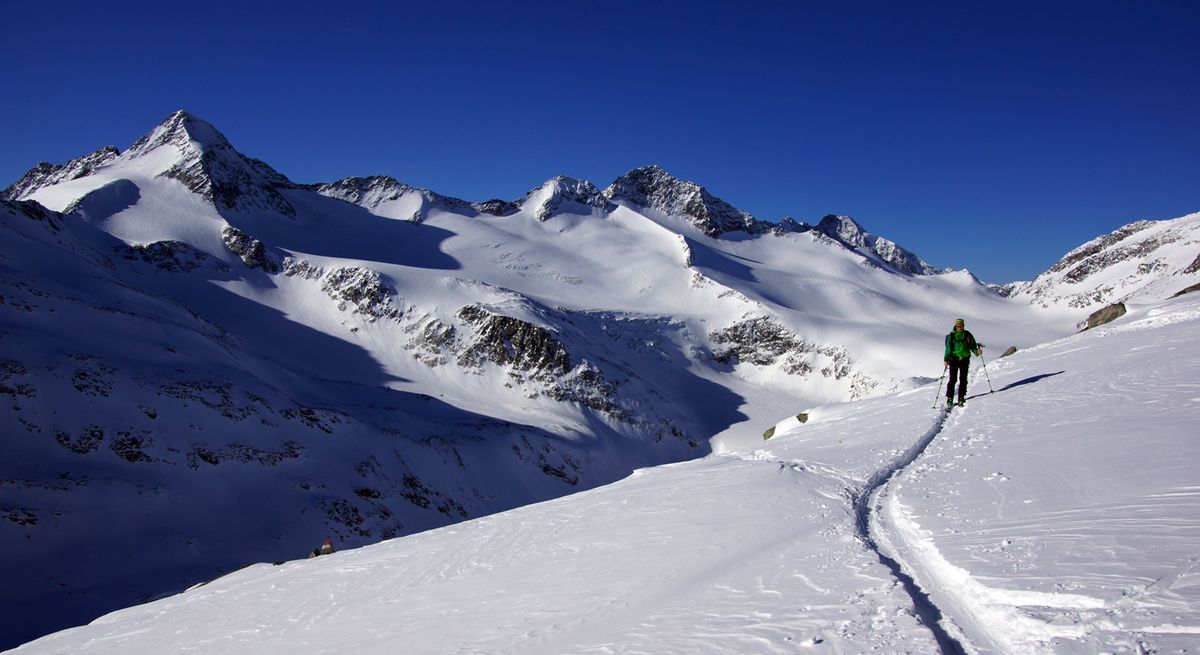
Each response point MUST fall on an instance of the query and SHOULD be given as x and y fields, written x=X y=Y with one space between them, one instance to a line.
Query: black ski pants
x=958 y=369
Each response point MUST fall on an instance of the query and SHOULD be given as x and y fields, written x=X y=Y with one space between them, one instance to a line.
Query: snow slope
x=1057 y=514
x=1063 y=512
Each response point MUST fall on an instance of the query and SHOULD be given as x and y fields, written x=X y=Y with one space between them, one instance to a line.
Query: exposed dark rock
x=763 y=342
x=245 y=454
x=9 y=369
x=211 y=167
x=563 y=195
x=171 y=256
x=303 y=268
x=496 y=207
x=849 y=233
x=217 y=396
x=652 y=187
x=46 y=174
x=1011 y=351
x=86 y=442
x=94 y=378
x=20 y=516
x=512 y=342
x=1192 y=267
x=252 y=251
x=322 y=420
x=362 y=289
x=1097 y=245
x=1106 y=315
x=35 y=212
x=131 y=447
x=1191 y=289
x=371 y=192
x=344 y=512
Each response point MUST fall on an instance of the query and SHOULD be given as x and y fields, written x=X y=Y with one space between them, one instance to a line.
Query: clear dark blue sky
x=988 y=135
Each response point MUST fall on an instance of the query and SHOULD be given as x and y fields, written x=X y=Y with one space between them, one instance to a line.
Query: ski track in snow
x=1117 y=615
x=994 y=616
x=866 y=510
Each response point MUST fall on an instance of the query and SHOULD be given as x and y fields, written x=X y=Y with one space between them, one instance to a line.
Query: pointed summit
x=653 y=188
x=182 y=130
x=207 y=164
x=563 y=195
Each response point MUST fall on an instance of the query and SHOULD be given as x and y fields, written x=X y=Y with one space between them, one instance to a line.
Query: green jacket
x=960 y=346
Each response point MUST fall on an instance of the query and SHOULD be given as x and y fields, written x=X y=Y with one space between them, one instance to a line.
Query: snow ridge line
x=863 y=503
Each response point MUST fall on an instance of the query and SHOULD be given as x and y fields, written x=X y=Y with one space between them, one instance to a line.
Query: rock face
x=512 y=342
x=764 y=342
x=849 y=233
x=46 y=174
x=653 y=188
x=1141 y=261
x=375 y=191
x=362 y=292
x=251 y=250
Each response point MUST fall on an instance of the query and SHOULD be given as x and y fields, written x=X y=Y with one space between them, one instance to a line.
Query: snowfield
x=1059 y=513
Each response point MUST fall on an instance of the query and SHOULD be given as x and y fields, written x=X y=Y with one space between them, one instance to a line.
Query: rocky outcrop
x=361 y=291
x=252 y=251
x=1192 y=289
x=496 y=207
x=1106 y=315
x=764 y=342
x=512 y=343
x=171 y=256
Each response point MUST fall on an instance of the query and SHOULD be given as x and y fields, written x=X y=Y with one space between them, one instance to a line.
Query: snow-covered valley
x=1057 y=514
x=535 y=425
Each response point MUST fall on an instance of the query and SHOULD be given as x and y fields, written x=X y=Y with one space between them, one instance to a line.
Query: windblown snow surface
x=1058 y=512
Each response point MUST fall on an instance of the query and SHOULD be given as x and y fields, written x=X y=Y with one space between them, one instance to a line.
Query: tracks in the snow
x=865 y=506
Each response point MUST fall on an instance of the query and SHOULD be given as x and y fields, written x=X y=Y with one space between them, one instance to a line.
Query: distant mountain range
x=205 y=364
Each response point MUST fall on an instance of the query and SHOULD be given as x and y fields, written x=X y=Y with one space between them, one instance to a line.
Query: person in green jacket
x=960 y=345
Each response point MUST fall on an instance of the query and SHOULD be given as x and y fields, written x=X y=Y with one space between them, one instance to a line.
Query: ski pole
x=937 y=392
x=985 y=373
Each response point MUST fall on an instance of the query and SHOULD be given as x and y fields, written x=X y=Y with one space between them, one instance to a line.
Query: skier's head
x=959 y=323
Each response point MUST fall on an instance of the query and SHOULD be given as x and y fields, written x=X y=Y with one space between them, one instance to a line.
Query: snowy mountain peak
x=561 y=195
x=384 y=195
x=182 y=130
x=846 y=230
x=207 y=164
x=653 y=188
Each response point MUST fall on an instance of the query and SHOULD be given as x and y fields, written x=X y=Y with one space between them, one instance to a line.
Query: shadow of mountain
x=329 y=227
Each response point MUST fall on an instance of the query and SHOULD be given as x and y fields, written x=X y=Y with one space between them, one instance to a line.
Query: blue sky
x=993 y=136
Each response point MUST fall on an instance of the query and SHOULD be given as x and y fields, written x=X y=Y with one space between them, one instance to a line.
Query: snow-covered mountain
x=1043 y=518
x=205 y=364
x=1143 y=261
